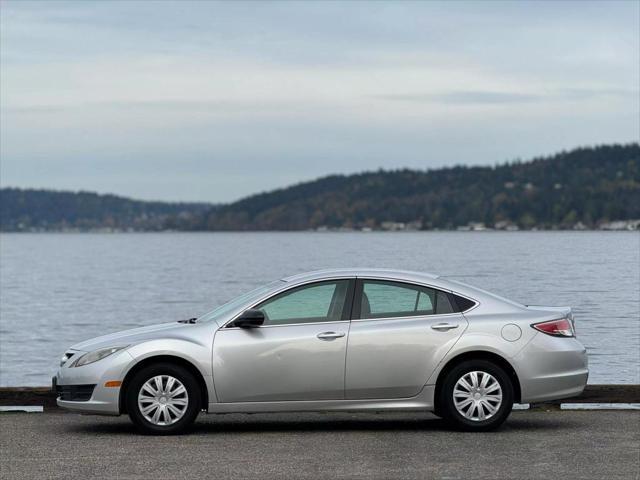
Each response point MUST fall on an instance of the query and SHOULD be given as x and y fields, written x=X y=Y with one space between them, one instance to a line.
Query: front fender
x=193 y=352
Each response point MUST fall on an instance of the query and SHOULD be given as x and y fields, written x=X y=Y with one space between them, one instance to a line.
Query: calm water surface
x=59 y=289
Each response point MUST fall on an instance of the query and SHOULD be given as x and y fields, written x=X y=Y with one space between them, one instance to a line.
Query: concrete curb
x=43 y=396
x=28 y=396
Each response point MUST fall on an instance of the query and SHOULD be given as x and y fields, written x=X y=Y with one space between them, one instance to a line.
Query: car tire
x=163 y=399
x=471 y=405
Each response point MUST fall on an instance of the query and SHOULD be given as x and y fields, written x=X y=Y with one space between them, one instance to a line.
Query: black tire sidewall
x=193 y=391
x=446 y=398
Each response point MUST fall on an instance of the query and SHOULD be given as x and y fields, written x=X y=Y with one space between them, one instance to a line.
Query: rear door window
x=383 y=299
x=387 y=299
x=443 y=302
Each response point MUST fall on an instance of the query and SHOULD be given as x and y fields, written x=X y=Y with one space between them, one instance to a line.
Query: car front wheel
x=477 y=395
x=163 y=399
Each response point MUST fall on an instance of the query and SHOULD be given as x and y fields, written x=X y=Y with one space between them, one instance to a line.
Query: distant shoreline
x=594 y=188
x=488 y=230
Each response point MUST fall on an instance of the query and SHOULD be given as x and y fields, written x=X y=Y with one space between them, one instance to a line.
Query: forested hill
x=29 y=210
x=583 y=188
x=576 y=189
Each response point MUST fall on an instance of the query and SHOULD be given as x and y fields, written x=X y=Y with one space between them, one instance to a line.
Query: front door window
x=318 y=302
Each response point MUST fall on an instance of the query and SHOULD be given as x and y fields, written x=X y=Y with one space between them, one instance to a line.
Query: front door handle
x=330 y=335
x=443 y=327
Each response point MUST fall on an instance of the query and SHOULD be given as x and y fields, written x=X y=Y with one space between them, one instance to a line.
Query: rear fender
x=501 y=337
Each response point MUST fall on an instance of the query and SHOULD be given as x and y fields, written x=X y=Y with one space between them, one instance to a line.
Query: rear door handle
x=330 y=335
x=443 y=327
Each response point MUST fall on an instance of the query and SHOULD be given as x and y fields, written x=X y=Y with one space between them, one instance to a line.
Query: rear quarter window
x=461 y=304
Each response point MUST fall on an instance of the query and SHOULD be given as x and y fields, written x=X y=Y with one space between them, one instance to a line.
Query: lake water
x=59 y=289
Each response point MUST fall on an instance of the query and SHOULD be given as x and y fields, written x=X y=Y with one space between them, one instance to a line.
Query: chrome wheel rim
x=163 y=400
x=477 y=396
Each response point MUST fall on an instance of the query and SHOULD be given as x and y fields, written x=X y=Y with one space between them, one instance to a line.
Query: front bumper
x=551 y=368
x=104 y=400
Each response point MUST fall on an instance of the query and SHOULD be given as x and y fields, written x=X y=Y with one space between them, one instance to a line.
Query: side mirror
x=249 y=319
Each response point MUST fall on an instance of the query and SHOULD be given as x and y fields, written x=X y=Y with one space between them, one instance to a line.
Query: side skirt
x=422 y=401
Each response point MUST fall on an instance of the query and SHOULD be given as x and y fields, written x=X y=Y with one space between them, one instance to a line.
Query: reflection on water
x=58 y=289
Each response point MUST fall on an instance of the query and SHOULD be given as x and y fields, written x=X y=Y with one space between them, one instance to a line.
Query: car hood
x=135 y=335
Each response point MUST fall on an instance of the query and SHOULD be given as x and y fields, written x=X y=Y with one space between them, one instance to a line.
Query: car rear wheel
x=163 y=399
x=477 y=395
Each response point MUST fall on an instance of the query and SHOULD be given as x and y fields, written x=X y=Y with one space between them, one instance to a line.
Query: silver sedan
x=358 y=340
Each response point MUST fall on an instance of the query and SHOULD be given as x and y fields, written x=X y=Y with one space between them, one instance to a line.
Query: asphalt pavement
x=531 y=444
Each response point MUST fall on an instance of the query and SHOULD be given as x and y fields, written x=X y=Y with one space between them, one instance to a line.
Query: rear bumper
x=551 y=368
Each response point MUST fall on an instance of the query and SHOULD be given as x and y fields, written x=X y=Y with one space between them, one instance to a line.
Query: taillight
x=558 y=328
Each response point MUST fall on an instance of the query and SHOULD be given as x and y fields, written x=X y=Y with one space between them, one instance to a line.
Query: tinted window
x=318 y=302
x=390 y=299
x=443 y=304
x=462 y=303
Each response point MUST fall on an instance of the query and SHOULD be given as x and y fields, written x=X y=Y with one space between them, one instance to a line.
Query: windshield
x=231 y=305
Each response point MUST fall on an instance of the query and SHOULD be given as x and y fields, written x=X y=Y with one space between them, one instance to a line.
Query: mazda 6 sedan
x=334 y=340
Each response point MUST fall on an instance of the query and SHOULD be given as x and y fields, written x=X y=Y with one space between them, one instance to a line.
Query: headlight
x=96 y=355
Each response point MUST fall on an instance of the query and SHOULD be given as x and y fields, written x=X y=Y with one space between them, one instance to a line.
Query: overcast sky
x=213 y=101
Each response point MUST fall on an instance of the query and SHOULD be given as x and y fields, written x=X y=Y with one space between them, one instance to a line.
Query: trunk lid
x=561 y=311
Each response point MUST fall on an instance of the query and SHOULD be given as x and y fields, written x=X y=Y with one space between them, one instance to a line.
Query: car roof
x=361 y=272
x=474 y=293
